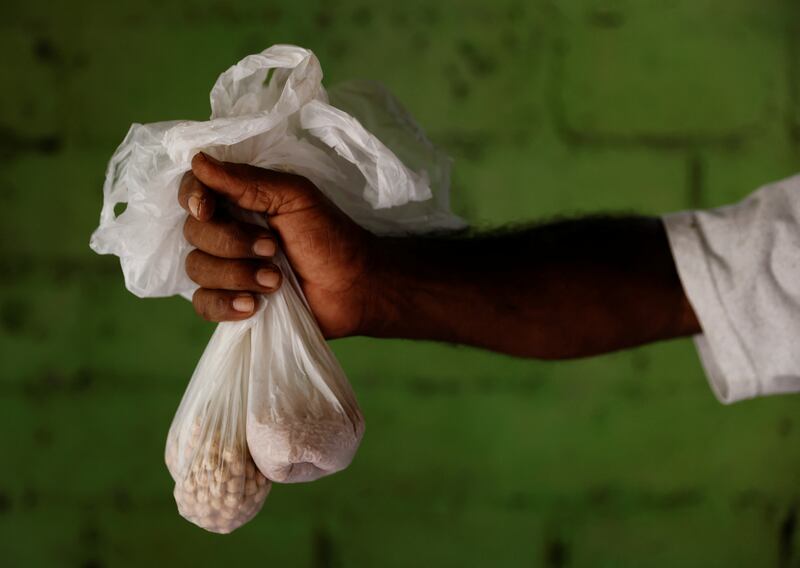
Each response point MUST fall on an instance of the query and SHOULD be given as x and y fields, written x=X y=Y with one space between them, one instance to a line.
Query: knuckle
x=194 y=184
x=189 y=229
x=229 y=240
x=298 y=191
x=256 y=196
x=240 y=275
x=189 y=185
x=200 y=304
x=220 y=304
x=192 y=265
x=186 y=180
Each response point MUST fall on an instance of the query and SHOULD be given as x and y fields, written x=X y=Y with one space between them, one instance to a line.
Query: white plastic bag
x=217 y=485
x=270 y=110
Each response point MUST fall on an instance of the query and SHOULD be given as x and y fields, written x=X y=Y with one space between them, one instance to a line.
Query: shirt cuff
x=723 y=353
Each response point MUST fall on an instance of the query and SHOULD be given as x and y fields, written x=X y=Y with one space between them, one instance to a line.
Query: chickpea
x=220 y=487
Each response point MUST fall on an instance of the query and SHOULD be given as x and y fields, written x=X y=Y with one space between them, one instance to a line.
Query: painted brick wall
x=470 y=458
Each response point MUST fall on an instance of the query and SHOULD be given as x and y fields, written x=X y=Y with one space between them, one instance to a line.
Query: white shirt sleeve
x=740 y=269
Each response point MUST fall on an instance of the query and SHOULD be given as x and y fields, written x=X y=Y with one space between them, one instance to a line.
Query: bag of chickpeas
x=217 y=485
x=268 y=401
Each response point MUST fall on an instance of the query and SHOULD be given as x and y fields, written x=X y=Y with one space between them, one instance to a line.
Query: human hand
x=232 y=261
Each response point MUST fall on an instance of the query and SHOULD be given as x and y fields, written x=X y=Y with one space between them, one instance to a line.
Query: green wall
x=470 y=458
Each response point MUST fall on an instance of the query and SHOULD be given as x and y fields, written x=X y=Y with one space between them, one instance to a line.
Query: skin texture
x=564 y=289
x=328 y=251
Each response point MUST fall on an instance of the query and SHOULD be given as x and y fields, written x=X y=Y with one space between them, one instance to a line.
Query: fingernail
x=244 y=304
x=264 y=247
x=267 y=278
x=211 y=159
x=194 y=206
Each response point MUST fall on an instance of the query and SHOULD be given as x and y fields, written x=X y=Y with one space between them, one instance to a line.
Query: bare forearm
x=566 y=289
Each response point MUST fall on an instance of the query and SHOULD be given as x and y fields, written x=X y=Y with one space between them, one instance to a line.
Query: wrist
x=387 y=263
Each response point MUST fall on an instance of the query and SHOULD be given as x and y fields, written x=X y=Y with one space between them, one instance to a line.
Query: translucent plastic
x=217 y=485
x=268 y=391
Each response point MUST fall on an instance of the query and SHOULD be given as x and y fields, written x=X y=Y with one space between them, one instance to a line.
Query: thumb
x=250 y=187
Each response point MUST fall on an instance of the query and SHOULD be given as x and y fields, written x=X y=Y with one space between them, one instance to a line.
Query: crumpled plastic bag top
x=285 y=123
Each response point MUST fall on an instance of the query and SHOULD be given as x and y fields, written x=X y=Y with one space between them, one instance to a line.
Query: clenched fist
x=232 y=260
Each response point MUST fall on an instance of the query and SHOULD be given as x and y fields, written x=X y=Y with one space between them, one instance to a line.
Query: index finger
x=251 y=187
x=195 y=197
